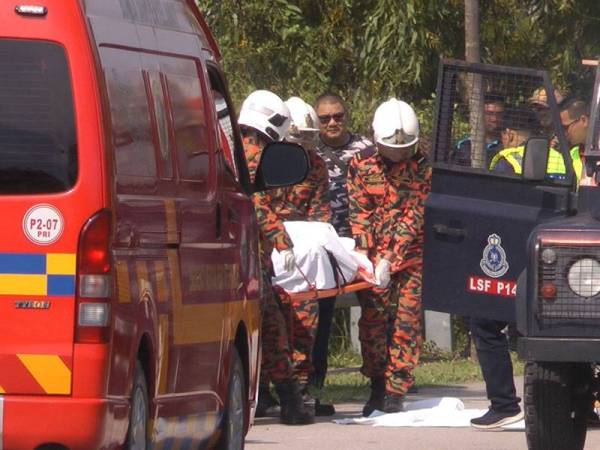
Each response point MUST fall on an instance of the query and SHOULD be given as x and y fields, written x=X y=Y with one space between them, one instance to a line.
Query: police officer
x=493 y=122
x=337 y=145
x=265 y=118
x=387 y=187
x=575 y=120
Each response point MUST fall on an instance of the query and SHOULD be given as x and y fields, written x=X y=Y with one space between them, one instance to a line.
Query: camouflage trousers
x=390 y=329
x=302 y=320
x=276 y=364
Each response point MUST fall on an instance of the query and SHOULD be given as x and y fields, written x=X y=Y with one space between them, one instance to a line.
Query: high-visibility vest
x=554 y=169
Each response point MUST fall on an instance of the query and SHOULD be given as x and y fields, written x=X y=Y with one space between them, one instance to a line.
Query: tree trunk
x=475 y=85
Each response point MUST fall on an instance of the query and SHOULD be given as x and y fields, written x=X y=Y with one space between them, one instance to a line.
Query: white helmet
x=304 y=121
x=395 y=124
x=267 y=113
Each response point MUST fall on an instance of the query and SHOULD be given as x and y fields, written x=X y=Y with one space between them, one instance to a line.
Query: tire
x=137 y=434
x=234 y=418
x=557 y=403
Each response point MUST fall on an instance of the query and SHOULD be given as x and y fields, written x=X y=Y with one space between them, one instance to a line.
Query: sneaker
x=393 y=403
x=496 y=419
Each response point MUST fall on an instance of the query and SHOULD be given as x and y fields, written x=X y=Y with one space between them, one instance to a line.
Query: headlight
x=584 y=277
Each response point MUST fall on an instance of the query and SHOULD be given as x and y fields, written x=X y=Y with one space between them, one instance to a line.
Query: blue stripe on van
x=61 y=285
x=22 y=263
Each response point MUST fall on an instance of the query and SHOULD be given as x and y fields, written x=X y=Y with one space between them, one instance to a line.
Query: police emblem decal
x=494 y=262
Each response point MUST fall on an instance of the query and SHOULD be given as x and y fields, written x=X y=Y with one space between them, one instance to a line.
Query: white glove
x=289 y=260
x=382 y=273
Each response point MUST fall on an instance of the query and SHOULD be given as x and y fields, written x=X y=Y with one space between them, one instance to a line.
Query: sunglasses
x=338 y=117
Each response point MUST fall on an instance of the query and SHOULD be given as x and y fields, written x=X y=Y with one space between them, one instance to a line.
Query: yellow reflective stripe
x=22 y=284
x=507 y=155
x=161 y=281
x=2 y=391
x=49 y=371
x=556 y=163
x=577 y=163
x=60 y=263
x=516 y=165
x=123 y=288
x=163 y=356
x=171 y=216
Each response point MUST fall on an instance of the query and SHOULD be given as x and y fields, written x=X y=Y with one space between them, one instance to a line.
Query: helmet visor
x=399 y=138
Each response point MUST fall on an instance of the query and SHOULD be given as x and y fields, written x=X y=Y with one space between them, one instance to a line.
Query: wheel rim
x=235 y=413
x=138 y=421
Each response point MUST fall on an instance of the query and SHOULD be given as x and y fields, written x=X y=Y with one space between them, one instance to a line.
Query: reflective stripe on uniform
x=555 y=166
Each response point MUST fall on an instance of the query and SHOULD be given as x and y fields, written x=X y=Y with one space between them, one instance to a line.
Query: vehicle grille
x=568 y=308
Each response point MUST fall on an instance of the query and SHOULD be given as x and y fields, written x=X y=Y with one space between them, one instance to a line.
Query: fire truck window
x=162 y=128
x=132 y=133
x=225 y=131
x=191 y=130
x=38 y=147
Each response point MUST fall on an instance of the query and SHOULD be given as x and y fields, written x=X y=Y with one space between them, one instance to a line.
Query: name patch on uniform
x=490 y=286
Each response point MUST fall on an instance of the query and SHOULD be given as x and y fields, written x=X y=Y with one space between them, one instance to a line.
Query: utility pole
x=474 y=85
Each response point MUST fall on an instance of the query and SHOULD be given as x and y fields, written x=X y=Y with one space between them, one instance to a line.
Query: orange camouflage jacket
x=386 y=205
x=304 y=201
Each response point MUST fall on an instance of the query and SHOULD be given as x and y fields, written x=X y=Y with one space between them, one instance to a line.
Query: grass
x=345 y=383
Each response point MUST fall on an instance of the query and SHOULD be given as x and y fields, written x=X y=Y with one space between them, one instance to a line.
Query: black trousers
x=495 y=362
x=321 y=347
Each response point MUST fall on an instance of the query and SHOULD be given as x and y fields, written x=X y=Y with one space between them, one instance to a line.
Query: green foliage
x=369 y=50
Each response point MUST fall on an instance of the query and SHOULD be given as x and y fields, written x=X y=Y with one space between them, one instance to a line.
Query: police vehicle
x=516 y=237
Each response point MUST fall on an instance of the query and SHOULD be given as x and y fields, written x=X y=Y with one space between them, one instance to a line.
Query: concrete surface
x=267 y=433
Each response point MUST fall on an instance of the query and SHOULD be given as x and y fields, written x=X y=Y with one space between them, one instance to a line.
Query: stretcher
x=366 y=281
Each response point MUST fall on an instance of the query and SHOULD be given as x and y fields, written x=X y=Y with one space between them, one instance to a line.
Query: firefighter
x=387 y=187
x=337 y=145
x=265 y=118
x=307 y=201
x=304 y=201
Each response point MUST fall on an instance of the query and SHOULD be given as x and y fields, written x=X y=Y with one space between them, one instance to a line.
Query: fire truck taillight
x=94 y=280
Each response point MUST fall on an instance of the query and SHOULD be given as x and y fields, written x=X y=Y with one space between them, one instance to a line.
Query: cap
x=540 y=97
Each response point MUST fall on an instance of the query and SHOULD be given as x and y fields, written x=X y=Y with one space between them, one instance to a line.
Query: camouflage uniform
x=337 y=160
x=276 y=364
x=386 y=216
x=304 y=201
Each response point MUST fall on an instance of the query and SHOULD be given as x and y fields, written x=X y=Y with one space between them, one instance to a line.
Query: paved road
x=325 y=435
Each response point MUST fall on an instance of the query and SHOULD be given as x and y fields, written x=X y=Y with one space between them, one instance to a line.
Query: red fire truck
x=129 y=274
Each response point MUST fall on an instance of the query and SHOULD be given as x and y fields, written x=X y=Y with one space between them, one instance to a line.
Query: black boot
x=267 y=405
x=314 y=405
x=293 y=411
x=392 y=403
x=375 y=401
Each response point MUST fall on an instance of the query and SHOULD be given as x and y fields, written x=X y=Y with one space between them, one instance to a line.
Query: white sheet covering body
x=311 y=241
x=431 y=412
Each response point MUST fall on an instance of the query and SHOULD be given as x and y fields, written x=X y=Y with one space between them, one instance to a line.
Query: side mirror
x=535 y=159
x=281 y=164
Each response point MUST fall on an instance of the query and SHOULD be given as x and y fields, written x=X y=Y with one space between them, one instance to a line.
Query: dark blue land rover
x=511 y=233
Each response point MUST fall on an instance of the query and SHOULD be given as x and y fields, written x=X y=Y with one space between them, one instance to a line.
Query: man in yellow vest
x=521 y=125
x=575 y=120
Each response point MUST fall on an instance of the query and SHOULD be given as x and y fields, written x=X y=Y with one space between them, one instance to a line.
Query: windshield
x=38 y=151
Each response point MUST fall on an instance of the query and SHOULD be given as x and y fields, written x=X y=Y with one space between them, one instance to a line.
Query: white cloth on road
x=431 y=412
x=311 y=241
